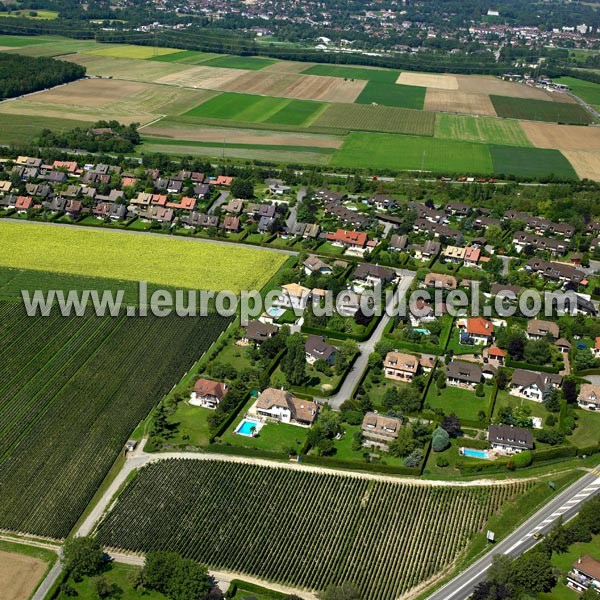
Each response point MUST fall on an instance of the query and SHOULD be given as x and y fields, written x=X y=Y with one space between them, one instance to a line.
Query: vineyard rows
x=71 y=391
x=298 y=528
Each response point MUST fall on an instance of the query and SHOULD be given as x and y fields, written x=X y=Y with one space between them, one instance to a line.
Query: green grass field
x=392 y=94
x=138 y=52
x=23 y=129
x=380 y=75
x=18 y=41
x=540 y=110
x=385 y=119
x=404 y=152
x=586 y=90
x=135 y=257
x=187 y=57
x=40 y=14
x=257 y=109
x=252 y=63
x=480 y=129
x=463 y=403
x=530 y=162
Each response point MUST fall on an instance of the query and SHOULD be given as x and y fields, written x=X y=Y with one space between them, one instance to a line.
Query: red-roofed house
x=472 y=256
x=70 y=166
x=480 y=330
x=231 y=224
x=159 y=199
x=208 y=393
x=128 y=182
x=186 y=203
x=23 y=204
x=351 y=239
x=495 y=354
x=223 y=181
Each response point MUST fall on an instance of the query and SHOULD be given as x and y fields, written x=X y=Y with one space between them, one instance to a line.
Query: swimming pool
x=472 y=453
x=275 y=312
x=423 y=331
x=248 y=427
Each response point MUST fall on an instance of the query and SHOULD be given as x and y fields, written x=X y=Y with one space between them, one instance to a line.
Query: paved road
x=49 y=580
x=292 y=217
x=223 y=196
x=565 y=504
x=366 y=348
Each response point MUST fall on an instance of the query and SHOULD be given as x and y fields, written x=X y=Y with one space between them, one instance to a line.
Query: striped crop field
x=301 y=528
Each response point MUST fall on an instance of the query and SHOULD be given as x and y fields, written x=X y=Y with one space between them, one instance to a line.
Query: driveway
x=366 y=348
x=223 y=196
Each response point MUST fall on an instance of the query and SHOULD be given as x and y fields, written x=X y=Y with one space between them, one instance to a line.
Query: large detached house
x=379 y=429
x=589 y=396
x=538 y=329
x=370 y=274
x=509 y=439
x=208 y=393
x=461 y=373
x=531 y=384
x=294 y=295
x=282 y=406
x=257 y=332
x=318 y=349
x=479 y=331
x=584 y=574
x=400 y=367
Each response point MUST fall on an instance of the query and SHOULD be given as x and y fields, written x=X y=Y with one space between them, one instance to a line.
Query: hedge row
x=514 y=364
x=342 y=335
x=251 y=587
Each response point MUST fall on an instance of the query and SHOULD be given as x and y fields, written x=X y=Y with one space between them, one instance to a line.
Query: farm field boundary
x=271 y=506
x=480 y=129
x=540 y=110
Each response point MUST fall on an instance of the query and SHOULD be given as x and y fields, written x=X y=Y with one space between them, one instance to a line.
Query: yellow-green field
x=140 y=52
x=167 y=261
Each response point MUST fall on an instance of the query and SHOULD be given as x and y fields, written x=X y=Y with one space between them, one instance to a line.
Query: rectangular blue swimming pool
x=472 y=453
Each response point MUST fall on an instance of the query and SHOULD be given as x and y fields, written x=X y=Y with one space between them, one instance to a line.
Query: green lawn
x=273 y=437
x=531 y=162
x=403 y=152
x=537 y=408
x=587 y=431
x=586 y=90
x=378 y=75
x=18 y=41
x=463 y=403
x=252 y=63
x=192 y=426
x=480 y=129
x=120 y=574
x=392 y=94
x=540 y=110
x=47 y=15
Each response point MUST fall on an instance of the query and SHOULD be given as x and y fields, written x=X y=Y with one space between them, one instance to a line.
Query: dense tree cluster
x=103 y=136
x=25 y=74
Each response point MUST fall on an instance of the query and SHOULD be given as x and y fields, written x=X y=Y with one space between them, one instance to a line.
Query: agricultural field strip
x=323 y=548
x=79 y=414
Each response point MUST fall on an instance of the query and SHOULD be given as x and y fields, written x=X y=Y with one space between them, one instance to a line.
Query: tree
x=440 y=381
x=532 y=573
x=440 y=440
x=346 y=591
x=293 y=364
x=557 y=539
x=479 y=390
x=83 y=557
x=404 y=444
x=516 y=347
x=551 y=399
x=590 y=594
x=451 y=424
x=414 y=458
x=175 y=577
x=107 y=589
x=569 y=390
x=242 y=188
x=344 y=355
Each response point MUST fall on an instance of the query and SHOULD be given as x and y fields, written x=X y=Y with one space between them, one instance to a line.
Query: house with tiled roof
x=461 y=373
x=207 y=393
x=532 y=384
x=282 y=406
x=509 y=439
x=400 y=366
x=350 y=239
x=478 y=331
x=380 y=429
x=589 y=396
x=584 y=574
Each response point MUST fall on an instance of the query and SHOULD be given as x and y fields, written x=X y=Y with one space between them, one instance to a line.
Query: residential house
x=313 y=264
x=266 y=224
x=117 y=212
x=506 y=292
x=208 y=394
x=430 y=249
x=538 y=329
x=372 y=275
x=231 y=224
x=222 y=181
x=454 y=254
x=202 y=190
x=400 y=367
x=282 y=406
x=330 y=196
x=257 y=332
x=584 y=574
x=382 y=202
x=555 y=271
x=532 y=384
x=354 y=240
x=477 y=330
x=563 y=345
x=379 y=429
x=460 y=373
x=294 y=295
x=398 y=242
x=589 y=396
x=457 y=209
x=494 y=354
x=318 y=349
x=509 y=439
x=438 y=280
x=472 y=256
x=23 y=204
x=186 y=203
x=234 y=207
x=196 y=219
